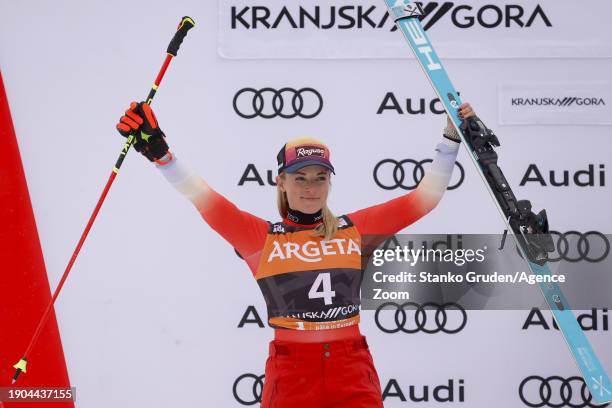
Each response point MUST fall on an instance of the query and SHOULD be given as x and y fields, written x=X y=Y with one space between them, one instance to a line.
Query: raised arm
x=396 y=214
x=244 y=231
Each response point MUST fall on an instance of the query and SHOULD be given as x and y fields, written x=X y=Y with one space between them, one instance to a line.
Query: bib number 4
x=321 y=288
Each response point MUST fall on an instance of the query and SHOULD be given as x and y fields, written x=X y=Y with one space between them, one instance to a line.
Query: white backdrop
x=156 y=290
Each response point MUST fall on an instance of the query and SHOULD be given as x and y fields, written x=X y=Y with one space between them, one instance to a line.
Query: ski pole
x=184 y=26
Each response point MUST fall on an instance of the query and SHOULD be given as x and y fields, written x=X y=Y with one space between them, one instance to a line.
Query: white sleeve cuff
x=447 y=146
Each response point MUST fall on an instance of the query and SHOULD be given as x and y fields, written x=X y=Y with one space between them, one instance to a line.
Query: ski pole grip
x=186 y=24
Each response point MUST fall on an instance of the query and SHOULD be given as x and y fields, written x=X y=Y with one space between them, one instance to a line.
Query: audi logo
x=575 y=246
x=286 y=103
x=418 y=321
x=592 y=246
x=251 y=385
x=394 y=174
x=555 y=391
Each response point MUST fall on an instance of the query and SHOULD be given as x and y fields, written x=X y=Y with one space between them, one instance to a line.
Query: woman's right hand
x=140 y=121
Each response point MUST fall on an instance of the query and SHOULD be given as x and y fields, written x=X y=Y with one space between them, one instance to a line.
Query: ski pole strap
x=185 y=25
x=405 y=11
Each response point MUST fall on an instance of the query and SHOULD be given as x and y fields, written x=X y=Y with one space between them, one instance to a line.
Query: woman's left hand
x=465 y=111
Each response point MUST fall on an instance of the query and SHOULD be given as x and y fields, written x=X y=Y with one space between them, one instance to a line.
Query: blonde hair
x=329 y=224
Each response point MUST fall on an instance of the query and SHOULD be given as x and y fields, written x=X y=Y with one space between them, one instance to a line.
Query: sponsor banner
x=555 y=103
x=460 y=29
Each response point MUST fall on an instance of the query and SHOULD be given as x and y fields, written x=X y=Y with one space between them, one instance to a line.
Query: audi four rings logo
x=555 y=391
x=248 y=389
x=575 y=246
x=591 y=246
x=390 y=174
x=418 y=322
x=270 y=103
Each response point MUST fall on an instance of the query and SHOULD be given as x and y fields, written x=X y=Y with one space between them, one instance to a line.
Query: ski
x=529 y=230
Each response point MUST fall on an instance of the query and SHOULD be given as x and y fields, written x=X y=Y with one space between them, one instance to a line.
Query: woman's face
x=306 y=189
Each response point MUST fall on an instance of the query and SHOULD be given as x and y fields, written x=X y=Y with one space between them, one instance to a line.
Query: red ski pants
x=338 y=374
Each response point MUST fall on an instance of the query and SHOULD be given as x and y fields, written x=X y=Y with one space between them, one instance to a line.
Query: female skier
x=308 y=265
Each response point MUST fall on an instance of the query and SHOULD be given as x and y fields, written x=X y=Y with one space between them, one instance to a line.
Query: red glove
x=140 y=121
